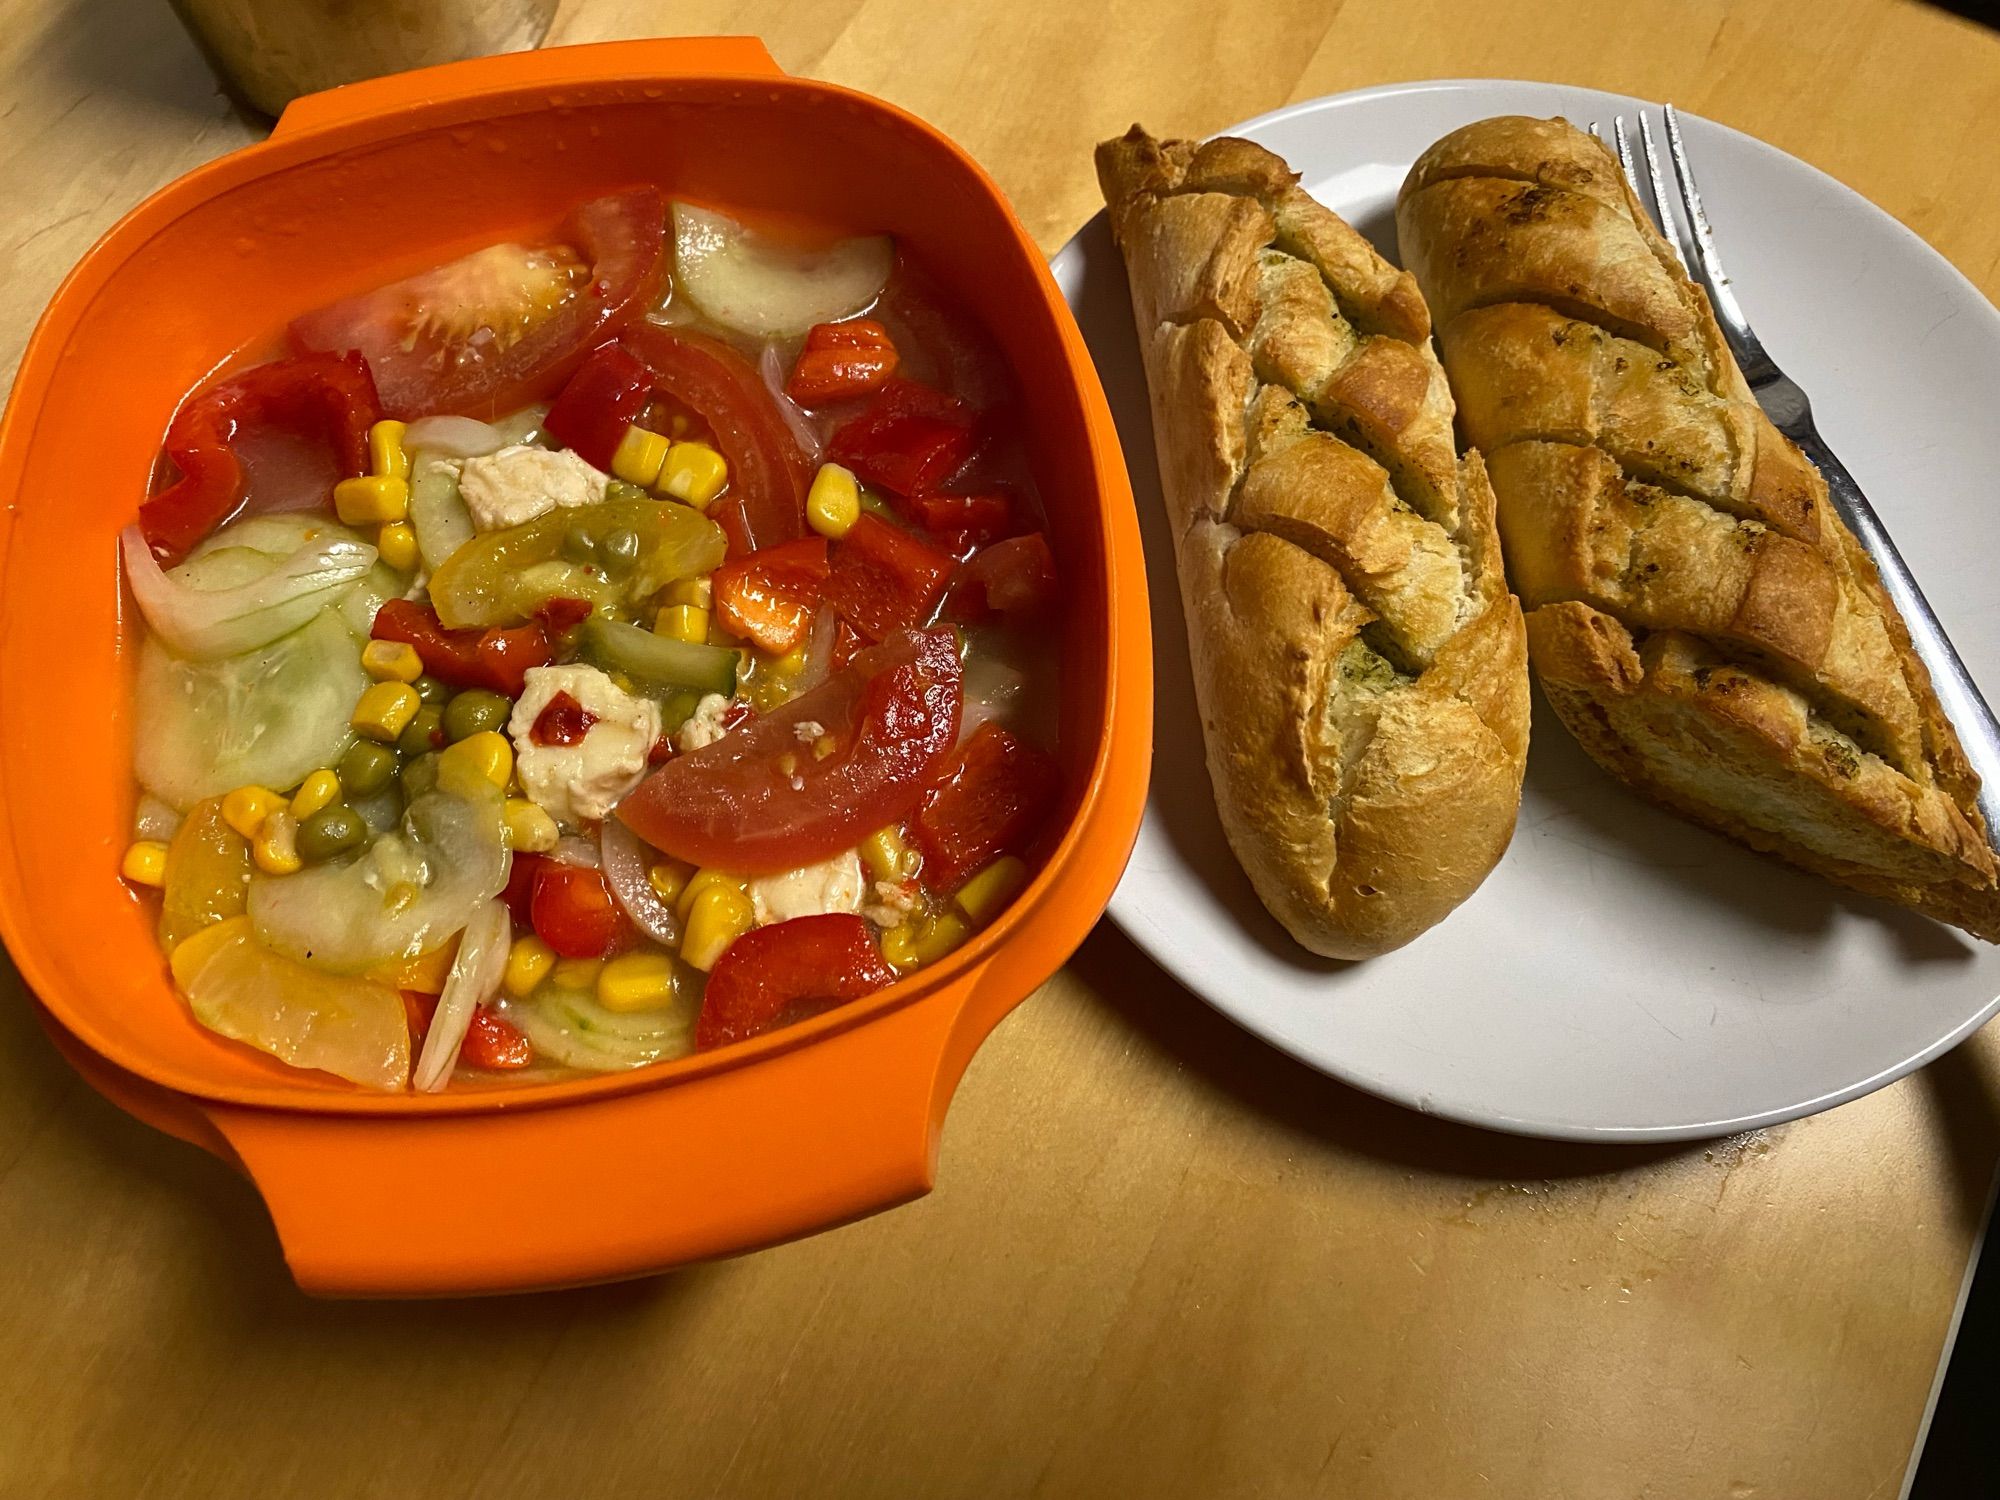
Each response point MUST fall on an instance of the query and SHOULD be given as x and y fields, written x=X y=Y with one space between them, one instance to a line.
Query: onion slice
x=625 y=872
x=475 y=978
x=819 y=652
x=773 y=370
x=210 y=623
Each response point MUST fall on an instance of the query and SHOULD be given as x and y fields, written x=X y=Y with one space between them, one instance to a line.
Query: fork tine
x=1707 y=265
x=1624 y=151
x=1668 y=225
x=1704 y=238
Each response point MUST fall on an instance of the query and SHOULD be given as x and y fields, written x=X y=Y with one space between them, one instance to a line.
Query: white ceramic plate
x=1622 y=975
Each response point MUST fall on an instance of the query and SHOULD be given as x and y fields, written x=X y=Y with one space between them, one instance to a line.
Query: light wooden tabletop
x=1161 y=1259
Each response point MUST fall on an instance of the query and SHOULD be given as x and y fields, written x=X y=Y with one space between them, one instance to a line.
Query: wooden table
x=1161 y=1259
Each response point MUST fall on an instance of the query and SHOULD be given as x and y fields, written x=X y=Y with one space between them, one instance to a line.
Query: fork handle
x=1957 y=692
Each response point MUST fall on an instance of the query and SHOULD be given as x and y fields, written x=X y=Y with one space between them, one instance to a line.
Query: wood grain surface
x=1161 y=1259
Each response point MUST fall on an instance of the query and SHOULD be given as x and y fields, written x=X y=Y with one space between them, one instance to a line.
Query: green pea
x=330 y=831
x=420 y=733
x=580 y=543
x=420 y=776
x=475 y=711
x=431 y=690
x=619 y=550
x=618 y=489
x=365 y=769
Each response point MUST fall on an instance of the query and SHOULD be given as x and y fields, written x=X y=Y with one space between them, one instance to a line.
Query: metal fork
x=1693 y=242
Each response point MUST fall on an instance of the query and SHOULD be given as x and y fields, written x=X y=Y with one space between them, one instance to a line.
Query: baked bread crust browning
x=1697 y=614
x=1359 y=664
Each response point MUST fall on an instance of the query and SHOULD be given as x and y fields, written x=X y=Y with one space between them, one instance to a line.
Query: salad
x=616 y=642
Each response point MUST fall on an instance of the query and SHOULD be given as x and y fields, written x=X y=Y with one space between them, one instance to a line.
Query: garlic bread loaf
x=1697 y=614
x=1358 y=661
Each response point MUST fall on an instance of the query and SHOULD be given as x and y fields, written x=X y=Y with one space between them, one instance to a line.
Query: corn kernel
x=529 y=829
x=668 y=879
x=640 y=457
x=372 y=498
x=397 y=542
x=145 y=863
x=700 y=881
x=923 y=941
x=385 y=449
x=694 y=474
x=275 y=846
x=575 y=973
x=246 y=808
x=528 y=964
x=316 y=793
x=699 y=592
x=400 y=897
x=791 y=663
x=636 y=981
x=833 y=504
x=719 y=915
x=988 y=890
x=682 y=622
x=486 y=753
x=192 y=953
x=391 y=661
x=888 y=857
x=385 y=711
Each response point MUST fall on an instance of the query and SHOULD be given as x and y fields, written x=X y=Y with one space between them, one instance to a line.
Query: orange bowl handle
x=547 y=67
x=401 y=1205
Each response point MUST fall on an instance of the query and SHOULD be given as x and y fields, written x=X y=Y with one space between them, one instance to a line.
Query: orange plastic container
x=491 y=1189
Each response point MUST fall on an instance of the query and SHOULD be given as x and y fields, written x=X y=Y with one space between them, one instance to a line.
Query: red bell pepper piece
x=490 y=1042
x=560 y=613
x=770 y=596
x=1015 y=577
x=853 y=333
x=841 y=361
x=493 y=658
x=989 y=798
x=973 y=520
x=564 y=722
x=607 y=394
x=910 y=439
x=322 y=395
x=494 y=1043
x=788 y=972
x=884 y=579
x=848 y=643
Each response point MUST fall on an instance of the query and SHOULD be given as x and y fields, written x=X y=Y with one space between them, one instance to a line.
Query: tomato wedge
x=770 y=597
x=491 y=1042
x=765 y=503
x=787 y=972
x=763 y=799
x=883 y=579
x=990 y=799
x=574 y=913
x=501 y=327
x=606 y=395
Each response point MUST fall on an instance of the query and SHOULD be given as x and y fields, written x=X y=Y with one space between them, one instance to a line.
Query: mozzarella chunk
x=834 y=885
x=581 y=783
x=893 y=903
x=517 y=484
x=704 y=725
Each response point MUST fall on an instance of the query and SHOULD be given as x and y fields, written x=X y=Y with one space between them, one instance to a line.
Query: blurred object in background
x=272 y=51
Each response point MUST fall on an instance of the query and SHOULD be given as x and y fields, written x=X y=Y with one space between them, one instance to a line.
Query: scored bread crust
x=1360 y=667
x=1699 y=617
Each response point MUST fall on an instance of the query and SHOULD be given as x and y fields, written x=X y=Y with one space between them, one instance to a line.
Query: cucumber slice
x=766 y=289
x=266 y=717
x=438 y=515
x=656 y=661
x=574 y=1029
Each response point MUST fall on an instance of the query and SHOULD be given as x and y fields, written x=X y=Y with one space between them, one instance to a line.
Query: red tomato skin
x=520 y=892
x=418 y=1008
x=620 y=235
x=765 y=503
x=494 y=1044
x=495 y=659
x=990 y=798
x=883 y=579
x=1014 y=577
x=770 y=596
x=332 y=396
x=574 y=913
x=893 y=717
x=788 y=972
x=606 y=395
